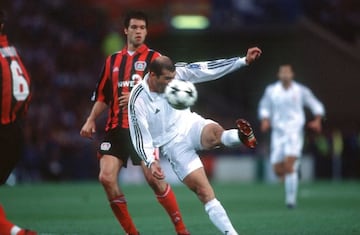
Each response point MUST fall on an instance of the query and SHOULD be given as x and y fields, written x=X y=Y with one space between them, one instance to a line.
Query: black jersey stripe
x=215 y=65
x=134 y=60
x=139 y=145
x=148 y=60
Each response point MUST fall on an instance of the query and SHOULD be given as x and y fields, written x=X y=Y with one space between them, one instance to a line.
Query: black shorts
x=117 y=142
x=11 y=145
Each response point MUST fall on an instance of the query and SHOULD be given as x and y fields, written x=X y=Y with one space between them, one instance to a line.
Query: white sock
x=14 y=230
x=291 y=186
x=230 y=138
x=219 y=218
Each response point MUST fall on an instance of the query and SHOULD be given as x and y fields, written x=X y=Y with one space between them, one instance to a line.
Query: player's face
x=160 y=82
x=136 y=33
x=285 y=74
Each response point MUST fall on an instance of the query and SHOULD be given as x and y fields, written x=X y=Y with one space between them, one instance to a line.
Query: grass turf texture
x=81 y=208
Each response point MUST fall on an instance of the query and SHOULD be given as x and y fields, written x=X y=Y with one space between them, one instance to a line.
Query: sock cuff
x=230 y=138
x=14 y=230
x=165 y=193
x=292 y=174
x=118 y=199
x=212 y=203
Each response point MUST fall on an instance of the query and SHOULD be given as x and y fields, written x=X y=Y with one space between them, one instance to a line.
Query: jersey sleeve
x=208 y=70
x=138 y=125
x=103 y=87
x=310 y=101
x=264 y=109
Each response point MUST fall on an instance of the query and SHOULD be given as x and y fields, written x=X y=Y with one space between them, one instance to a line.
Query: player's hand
x=124 y=100
x=88 y=129
x=315 y=125
x=252 y=54
x=156 y=171
x=265 y=125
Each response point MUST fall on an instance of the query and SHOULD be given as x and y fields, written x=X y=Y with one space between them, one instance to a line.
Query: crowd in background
x=60 y=42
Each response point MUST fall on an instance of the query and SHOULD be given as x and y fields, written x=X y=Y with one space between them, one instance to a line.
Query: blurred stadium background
x=64 y=44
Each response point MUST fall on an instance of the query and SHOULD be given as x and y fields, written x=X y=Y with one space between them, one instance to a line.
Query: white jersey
x=152 y=121
x=285 y=107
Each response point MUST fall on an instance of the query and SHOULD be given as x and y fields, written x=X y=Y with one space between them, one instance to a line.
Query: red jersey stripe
x=14 y=84
x=121 y=72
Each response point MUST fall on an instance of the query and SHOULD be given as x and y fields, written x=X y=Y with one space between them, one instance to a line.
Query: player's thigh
x=198 y=182
x=202 y=133
x=182 y=156
x=109 y=168
x=211 y=135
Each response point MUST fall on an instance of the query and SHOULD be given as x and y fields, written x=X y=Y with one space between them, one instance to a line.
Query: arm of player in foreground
x=211 y=70
x=139 y=131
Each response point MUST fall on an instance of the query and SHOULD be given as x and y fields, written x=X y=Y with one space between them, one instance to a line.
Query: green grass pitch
x=254 y=208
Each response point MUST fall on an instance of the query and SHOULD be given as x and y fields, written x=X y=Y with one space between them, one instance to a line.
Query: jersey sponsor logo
x=135 y=79
x=140 y=65
x=105 y=146
x=126 y=83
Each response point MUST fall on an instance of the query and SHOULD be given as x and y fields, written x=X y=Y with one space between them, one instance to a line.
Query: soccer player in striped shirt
x=180 y=133
x=121 y=72
x=14 y=101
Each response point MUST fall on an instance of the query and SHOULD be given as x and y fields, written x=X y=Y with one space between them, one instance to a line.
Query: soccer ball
x=180 y=94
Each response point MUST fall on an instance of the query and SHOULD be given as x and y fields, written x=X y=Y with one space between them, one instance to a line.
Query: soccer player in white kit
x=154 y=124
x=282 y=109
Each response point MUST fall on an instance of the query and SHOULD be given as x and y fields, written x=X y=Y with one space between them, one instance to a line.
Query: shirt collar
x=140 y=50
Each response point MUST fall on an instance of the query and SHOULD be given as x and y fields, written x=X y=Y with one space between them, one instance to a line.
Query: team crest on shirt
x=140 y=65
x=105 y=146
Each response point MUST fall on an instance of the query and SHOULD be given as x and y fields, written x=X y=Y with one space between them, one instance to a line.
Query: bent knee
x=107 y=179
x=279 y=170
x=205 y=194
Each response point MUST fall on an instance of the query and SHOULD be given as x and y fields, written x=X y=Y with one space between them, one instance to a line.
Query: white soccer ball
x=180 y=94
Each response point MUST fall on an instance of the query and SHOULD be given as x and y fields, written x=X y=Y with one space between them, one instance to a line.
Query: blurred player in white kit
x=282 y=109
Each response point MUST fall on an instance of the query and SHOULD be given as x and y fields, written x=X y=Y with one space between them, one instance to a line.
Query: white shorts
x=181 y=151
x=285 y=144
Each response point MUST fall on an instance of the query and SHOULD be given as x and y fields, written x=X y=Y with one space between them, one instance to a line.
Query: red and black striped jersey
x=120 y=73
x=14 y=84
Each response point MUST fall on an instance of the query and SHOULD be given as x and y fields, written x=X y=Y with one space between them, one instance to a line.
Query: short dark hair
x=139 y=15
x=159 y=64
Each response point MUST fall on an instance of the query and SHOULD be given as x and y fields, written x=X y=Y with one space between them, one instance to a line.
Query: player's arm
x=139 y=131
x=264 y=110
x=210 y=70
x=89 y=126
x=316 y=107
x=102 y=99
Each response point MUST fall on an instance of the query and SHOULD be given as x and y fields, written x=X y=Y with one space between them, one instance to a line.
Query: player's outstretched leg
x=8 y=228
x=246 y=133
